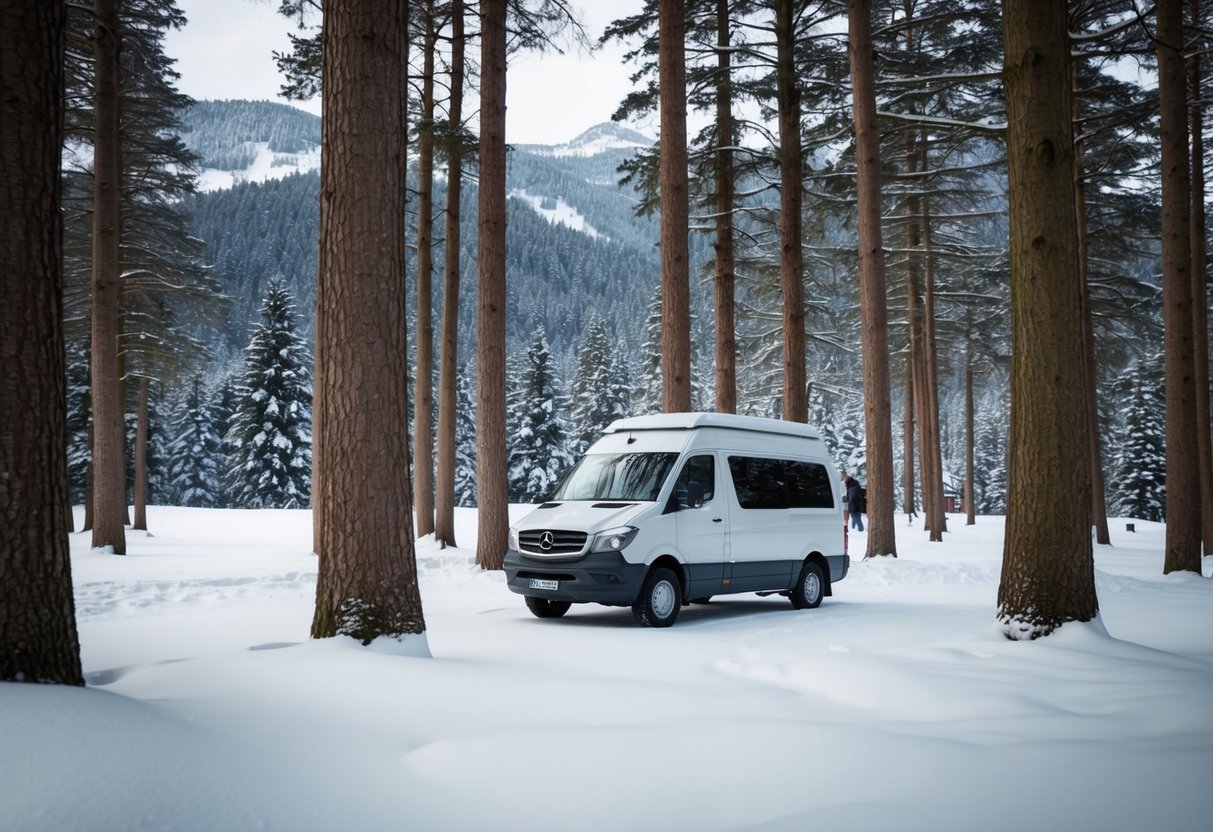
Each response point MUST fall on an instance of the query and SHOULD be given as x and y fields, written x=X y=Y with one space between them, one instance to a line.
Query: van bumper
x=599 y=577
x=839 y=566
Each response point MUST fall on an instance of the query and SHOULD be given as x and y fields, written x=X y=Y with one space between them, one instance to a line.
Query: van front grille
x=551 y=542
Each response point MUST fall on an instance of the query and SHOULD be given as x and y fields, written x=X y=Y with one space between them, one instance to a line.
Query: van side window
x=808 y=485
x=780 y=483
x=758 y=482
x=700 y=469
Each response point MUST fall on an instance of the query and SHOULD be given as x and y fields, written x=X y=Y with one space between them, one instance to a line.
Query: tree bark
x=140 y=491
x=109 y=459
x=423 y=378
x=1200 y=310
x=491 y=483
x=726 y=344
x=444 y=496
x=1183 y=471
x=909 y=503
x=791 y=188
x=1048 y=572
x=367 y=583
x=1099 y=510
x=872 y=290
x=937 y=520
x=675 y=209
x=970 y=441
x=38 y=637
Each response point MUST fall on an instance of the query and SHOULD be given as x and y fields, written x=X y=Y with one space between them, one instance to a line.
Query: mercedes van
x=675 y=508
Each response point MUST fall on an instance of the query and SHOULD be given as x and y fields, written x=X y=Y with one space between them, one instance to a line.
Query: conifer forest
x=966 y=241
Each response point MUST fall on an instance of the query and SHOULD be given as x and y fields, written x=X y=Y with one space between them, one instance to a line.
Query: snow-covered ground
x=895 y=705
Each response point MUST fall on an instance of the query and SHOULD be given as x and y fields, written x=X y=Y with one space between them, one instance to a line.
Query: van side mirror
x=694 y=494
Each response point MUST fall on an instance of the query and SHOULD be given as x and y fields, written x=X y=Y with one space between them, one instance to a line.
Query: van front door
x=702 y=532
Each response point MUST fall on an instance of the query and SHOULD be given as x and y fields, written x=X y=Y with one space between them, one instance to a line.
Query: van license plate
x=539 y=583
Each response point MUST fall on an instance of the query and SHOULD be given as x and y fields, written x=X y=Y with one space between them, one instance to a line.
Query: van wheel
x=659 y=601
x=810 y=587
x=543 y=608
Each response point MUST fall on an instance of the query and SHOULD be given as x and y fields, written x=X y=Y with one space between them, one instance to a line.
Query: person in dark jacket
x=854 y=501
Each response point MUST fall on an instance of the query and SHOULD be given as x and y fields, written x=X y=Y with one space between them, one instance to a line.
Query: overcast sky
x=225 y=52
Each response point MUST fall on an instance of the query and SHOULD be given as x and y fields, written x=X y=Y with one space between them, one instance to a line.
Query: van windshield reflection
x=634 y=476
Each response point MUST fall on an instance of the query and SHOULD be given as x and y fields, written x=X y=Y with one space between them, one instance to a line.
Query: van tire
x=659 y=600
x=544 y=608
x=809 y=589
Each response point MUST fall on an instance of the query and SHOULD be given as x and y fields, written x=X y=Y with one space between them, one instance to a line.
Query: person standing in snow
x=854 y=501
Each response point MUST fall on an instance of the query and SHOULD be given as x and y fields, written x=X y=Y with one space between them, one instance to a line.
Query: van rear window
x=637 y=476
x=762 y=482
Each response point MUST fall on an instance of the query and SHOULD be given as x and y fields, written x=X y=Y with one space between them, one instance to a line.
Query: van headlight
x=514 y=540
x=613 y=540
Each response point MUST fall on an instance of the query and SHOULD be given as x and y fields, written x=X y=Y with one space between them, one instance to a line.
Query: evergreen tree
x=599 y=397
x=79 y=413
x=194 y=452
x=465 y=439
x=990 y=457
x=538 y=453
x=270 y=439
x=1141 y=464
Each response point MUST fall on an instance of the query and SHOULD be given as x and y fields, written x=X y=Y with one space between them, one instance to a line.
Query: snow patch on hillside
x=558 y=212
x=268 y=165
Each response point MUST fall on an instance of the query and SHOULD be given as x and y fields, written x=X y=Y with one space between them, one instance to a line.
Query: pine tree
x=598 y=397
x=465 y=440
x=538 y=449
x=194 y=452
x=270 y=440
x=1141 y=463
x=646 y=395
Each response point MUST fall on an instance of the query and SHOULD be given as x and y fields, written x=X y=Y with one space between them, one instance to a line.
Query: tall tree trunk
x=38 y=638
x=909 y=501
x=491 y=484
x=423 y=378
x=937 y=521
x=1183 y=471
x=675 y=209
x=1048 y=571
x=726 y=344
x=1099 y=509
x=915 y=352
x=109 y=460
x=140 y=521
x=367 y=584
x=1200 y=309
x=444 y=497
x=791 y=188
x=872 y=295
x=87 y=525
x=970 y=440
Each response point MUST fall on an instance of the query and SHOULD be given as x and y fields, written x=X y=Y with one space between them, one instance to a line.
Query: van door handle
x=716 y=520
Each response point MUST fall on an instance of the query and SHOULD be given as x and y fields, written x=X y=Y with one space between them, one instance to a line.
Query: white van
x=675 y=508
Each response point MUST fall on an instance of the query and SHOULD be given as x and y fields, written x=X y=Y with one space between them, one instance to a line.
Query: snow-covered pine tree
x=270 y=438
x=990 y=455
x=79 y=417
x=1141 y=463
x=538 y=453
x=599 y=397
x=646 y=395
x=194 y=452
x=465 y=438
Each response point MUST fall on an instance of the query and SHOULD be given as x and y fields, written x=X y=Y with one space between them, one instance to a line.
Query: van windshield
x=617 y=477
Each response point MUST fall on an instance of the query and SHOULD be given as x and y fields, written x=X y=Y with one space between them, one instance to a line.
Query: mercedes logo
x=546 y=541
